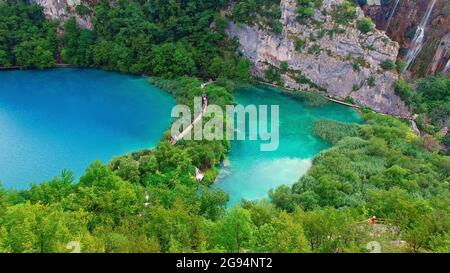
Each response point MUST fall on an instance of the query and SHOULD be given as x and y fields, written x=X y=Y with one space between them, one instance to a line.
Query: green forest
x=150 y=201
x=159 y=38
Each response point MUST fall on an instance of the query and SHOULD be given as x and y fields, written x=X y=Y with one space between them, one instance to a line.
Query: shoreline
x=334 y=100
x=18 y=67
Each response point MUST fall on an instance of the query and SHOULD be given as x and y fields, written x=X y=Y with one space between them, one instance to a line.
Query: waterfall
x=417 y=41
x=447 y=67
x=392 y=14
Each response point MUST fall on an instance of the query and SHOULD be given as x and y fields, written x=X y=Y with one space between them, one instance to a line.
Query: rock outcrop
x=338 y=60
x=61 y=10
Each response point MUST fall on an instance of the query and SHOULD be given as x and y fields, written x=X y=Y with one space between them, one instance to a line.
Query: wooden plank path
x=188 y=129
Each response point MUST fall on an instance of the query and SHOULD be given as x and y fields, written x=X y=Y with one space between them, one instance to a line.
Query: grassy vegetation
x=299 y=44
x=379 y=168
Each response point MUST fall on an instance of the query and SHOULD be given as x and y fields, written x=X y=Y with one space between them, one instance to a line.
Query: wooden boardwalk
x=188 y=129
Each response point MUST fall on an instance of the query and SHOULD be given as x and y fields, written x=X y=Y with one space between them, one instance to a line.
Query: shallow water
x=250 y=173
x=65 y=118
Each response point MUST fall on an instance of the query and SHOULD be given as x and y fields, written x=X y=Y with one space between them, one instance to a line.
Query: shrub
x=365 y=25
x=314 y=49
x=344 y=13
x=371 y=81
x=306 y=8
x=349 y=99
x=299 y=44
x=83 y=10
x=388 y=64
x=400 y=65
x=361 y=62
x=284 y=66
x=356 y=67
x=273 y=75
x=403 y=90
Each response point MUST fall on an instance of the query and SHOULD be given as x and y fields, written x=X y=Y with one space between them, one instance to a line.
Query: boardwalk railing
x=188 y=129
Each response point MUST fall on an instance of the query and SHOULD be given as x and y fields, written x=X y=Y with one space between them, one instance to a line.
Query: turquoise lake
x=65 y=118
x=59 y=119
x=250 y=173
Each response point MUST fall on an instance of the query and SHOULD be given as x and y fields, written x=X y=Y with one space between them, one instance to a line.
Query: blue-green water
x=250 y=173
x=65 y=118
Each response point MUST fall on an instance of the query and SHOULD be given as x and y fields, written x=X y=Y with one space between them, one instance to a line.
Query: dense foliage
x=159 y=38
x=430 y=98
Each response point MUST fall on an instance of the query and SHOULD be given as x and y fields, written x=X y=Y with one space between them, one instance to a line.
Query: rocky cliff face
x=339 y=61
x=61 y=10
x=400 y=18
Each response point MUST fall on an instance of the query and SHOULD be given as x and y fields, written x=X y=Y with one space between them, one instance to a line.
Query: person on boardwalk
x=204 y=101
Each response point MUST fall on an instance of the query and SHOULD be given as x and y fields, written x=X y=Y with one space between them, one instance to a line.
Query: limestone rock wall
x=61 y=10
x=333 y=67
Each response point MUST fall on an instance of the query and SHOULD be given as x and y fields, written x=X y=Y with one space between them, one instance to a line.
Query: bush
x=306 y=8
x=273 y=75
x=314 y=49
x=400 y=65
x=365 y=25
x=371 y=81
x=404 y=91
x=350 y=99
x=83 y=10
x=299 y=44
x=284 y=66
x=344 y=13
x=356 y=67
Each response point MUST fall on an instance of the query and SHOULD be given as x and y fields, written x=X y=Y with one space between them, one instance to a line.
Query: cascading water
x=392 y=14
x=447 y=67
x=419 y=37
